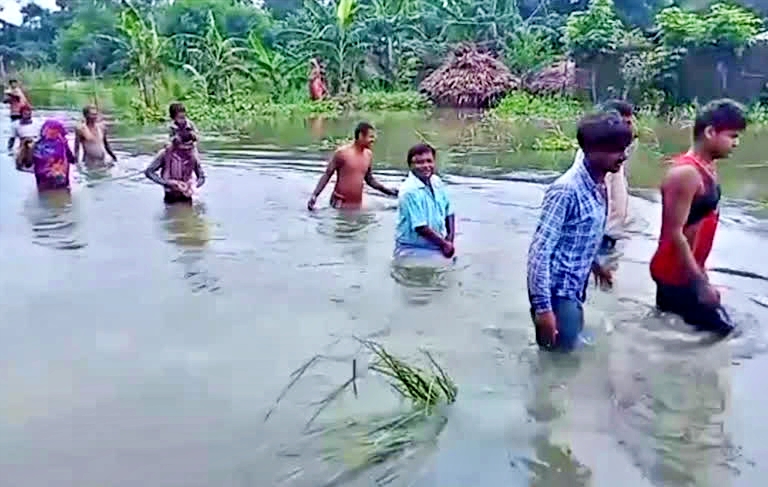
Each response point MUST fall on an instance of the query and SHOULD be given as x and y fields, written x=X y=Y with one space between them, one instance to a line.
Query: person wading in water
x=426 y=223
x=91 y=135
x=26 y=131
x=569 y=233
x=15 y=97
x=177 y=162
x=690 y=195
x=51 y=157
x=353 y=166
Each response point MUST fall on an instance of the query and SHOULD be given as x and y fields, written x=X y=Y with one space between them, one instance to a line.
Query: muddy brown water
x=142 y=345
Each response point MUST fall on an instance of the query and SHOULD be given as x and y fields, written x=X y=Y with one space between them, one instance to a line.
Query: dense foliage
x=233 y=50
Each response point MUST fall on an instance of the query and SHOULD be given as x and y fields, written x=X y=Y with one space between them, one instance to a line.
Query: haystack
x=559 y=78
x=469 y=79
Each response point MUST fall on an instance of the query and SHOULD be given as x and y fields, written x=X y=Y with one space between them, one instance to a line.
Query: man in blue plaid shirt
x=570 y=231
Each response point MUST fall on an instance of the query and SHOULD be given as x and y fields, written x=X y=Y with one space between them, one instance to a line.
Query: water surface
x=142 y=345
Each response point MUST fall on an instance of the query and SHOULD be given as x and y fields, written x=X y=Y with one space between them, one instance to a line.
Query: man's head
x=178 y=113
x=421 y=160
x=623 y=108
x=13 y=83
x=604 y=138
x=365 y=135
x=184 y=139
x=90 y=113
x=26 y=113
x=718 y=126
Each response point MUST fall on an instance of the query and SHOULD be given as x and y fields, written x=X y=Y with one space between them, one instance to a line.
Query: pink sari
x=51 y=157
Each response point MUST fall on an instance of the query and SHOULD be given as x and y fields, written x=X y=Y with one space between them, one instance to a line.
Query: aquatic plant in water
x=372 y=440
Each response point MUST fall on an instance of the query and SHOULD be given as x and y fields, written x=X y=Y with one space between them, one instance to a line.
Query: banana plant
x=392 y=32
x=215 y=60
x=280 y=71
x=331 y=33
x=143 y=49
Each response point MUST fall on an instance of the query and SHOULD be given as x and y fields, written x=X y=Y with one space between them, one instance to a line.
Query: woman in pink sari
x=51 y=157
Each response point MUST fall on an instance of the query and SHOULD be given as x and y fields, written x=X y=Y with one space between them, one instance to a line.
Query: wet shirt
x=25 y=130
x=567 y=238
x=419 y=206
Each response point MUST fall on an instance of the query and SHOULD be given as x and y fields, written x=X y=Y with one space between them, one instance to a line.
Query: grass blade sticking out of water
x=361 y=444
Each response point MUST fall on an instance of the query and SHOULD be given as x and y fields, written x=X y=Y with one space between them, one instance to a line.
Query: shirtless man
x=15 y=97
x=92 y=136
x=353 y=165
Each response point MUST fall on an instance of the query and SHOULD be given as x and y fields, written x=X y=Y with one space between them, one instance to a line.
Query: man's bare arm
x=77 y=144
x=107 y=147
x=677 y=193
x=333 y=165
x=450 y=227
x=374 y=183
x=199 y=173
x=152 y=171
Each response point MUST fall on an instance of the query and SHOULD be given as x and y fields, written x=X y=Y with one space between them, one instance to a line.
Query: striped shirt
x=567 y=238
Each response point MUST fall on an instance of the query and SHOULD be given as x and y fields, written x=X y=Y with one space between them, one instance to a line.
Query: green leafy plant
x=595 y=31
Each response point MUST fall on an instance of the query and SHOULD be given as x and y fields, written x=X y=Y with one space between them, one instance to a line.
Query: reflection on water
x=54 y=220
x=555 y=466
x=188 y=229
x=670 y=389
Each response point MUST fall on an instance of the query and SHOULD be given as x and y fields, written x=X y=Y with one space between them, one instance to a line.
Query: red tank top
x=667 y=265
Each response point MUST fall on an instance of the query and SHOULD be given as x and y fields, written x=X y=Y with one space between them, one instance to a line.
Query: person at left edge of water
x=569 y=233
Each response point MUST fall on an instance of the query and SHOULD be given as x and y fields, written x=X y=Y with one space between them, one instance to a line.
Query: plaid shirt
x=567 y=238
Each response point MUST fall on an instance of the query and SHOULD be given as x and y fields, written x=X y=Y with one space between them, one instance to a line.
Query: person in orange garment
x=690 y=195
x=353 y=166
x=317 y=88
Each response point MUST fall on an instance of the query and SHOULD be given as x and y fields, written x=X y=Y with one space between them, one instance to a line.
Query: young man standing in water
x=91 y=135
x=353 y=166
x=570 y=231
x=15 y=97
x=176 y=163
x=26 y=131
x=690 y=194
x=616 y=184
x=425 y=216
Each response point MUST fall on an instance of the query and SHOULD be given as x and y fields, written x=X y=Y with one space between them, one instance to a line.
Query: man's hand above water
x=603 y=276
x=546 y=323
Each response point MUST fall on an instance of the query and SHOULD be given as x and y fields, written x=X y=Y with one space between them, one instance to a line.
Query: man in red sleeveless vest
x=690 y=196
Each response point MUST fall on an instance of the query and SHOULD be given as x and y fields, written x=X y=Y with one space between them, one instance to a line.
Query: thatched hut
x=561 y=77
x=469 y=79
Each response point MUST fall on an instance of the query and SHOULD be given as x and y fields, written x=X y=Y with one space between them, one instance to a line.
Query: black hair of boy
x=176 y=108
x=624 y=108
x=721 y=115
x=603 y=132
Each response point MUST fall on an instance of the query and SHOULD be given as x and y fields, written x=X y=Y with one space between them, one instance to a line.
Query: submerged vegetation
x=366 y=442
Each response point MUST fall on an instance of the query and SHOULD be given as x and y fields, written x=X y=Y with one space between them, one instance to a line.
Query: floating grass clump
x=364 y=442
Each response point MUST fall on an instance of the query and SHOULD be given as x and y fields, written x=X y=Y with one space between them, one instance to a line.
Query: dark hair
x=185 y=136
x=624 y=108
x=721 y=115
x=86 y=108
x=604 y=131
x=419 y=149
x=176 y=108
x=362 y=128
x=13 y=80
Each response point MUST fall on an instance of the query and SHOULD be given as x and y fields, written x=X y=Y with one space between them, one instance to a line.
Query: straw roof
x=560 y=77
x=469 y=79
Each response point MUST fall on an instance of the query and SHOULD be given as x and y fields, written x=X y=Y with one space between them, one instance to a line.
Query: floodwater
x=143 y=345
